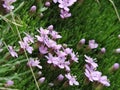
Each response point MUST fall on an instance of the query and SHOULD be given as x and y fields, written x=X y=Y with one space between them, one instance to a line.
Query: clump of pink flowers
x=64 y=7
x=56 y=55
x=92 y=74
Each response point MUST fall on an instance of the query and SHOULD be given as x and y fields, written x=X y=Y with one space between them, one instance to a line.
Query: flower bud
x=50 y=27
x=33 y=9
x=116 y=66
x=103 y=50
x=51 y=84
x=60 y=77
x=41 y=15
x=39 y=73
x=42 y=79
x=47 y=4
x=82 y=41
x=117 y=50
x=119 y=36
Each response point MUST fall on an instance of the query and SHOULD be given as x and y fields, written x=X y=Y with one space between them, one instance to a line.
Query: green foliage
x=89 y=20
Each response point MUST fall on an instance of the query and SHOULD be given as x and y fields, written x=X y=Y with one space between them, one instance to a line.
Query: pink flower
x=52 y=60
x=89 y=67
x=72 y=79
x=96 y=75
x=61 y=53
x=63 y=4
x=8 y=5
x=64 y=14
x=103 y=80
x=92 y=44
x=57 y=47
x=55 y=35
x=90 y=61
x=25 y=45
x=40 y=38
x=63 y=64
x=50 y=43
x=88 y=75
x=12 y=52
x=74 y=57
x=9 y=83
x=43 y=31
x=93 y=75
x=34 y=63
x=28 y=38
x=66 y=65
x=43 y=49
x=68 y=51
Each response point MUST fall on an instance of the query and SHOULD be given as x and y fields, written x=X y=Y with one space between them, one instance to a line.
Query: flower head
x=43 y=49
x=12 y=52
x=34 y=63
x=90 y=61
x=103 y=80
x=9 y=83
x=26 y=46
x=8 y=5
x=72 y=79
x=92 y=44
x=64 y=14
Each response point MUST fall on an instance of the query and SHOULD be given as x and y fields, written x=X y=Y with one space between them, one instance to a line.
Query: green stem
x=115 y=9
x=26 y=53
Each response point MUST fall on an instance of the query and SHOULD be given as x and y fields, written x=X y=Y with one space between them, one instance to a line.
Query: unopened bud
x=47 y=4
x=103 y=50
x=60 y=77
x=117 y=50
x=42 y=79
x=33 y=9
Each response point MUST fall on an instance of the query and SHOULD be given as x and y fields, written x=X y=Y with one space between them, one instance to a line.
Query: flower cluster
x=8 y=5
x=64 y=6
x=92 y=74
x=56 y=55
